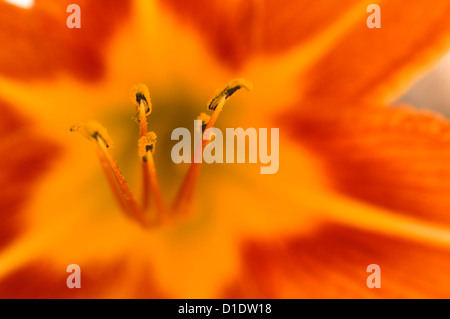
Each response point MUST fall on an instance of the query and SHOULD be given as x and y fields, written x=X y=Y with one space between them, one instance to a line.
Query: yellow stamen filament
x=97 y=133
x=143 y=133
x=111 y=180
x=140 y=96
x=146 y=148
x=216 y=103
x=142 y=119
x=132 y=205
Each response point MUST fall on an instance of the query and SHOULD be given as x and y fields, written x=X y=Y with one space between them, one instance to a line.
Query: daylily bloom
x=360 y=182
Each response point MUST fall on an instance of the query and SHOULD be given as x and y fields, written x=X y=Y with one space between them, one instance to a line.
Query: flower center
x=151 y=210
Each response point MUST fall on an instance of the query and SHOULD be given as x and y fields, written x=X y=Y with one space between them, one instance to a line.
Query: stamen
x=140 y=97
x=216 y=103
x=95 y=132
x=146 y=148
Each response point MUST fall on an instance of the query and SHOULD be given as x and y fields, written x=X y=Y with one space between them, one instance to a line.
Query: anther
x=146 y=144
x=140 y=94
x=221 y=95
x=93 y=131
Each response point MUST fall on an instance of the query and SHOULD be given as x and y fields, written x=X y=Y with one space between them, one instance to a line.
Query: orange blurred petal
x=373 y=63
x=332 y=263
x=395 y=158
x=40 y=280
x=236 y=30
x=24 y=157
x=39 y=44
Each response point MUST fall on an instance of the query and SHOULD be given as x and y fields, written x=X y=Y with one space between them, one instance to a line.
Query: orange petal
x=373 y=63
x=396 y=158
x=24 y=156
x=236 y=30
x=332 y=263
x=39 y=43
x=42 y=280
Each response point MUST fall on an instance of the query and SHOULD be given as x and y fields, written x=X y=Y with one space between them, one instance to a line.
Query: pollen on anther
x=228 y=91
x=146 y=144
x=140 y=93
x=93 y=131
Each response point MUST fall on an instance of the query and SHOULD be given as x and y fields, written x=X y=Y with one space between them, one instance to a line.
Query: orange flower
x=359 y=182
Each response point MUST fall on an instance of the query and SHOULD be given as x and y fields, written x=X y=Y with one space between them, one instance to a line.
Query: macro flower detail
x=140 y=96
x=361 y=179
